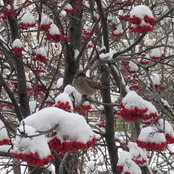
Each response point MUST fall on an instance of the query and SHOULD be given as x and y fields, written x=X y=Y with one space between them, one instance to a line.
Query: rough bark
x=21 y=80
x=106 y=96
x=75 y=30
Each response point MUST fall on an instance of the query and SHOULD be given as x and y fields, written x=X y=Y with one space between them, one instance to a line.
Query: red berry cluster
x=70 y=10
x=25 y=26
x=119 y=168
x=41 y=58
x=17 y=51
x=171 y=153
x=53 y=38
x=154 y=118
x=170 y=139
x=126 y=172
x=83 y=109
x=124 y=18
x=156 y=58
x=44 y=27
x=78 y=5
x=33 y=159
x=132 y=114
x=141 y=162
x=7 y=12
x=56 y=38
x=86 y=35
x=135 y=20
x=101 y=123
x=134 y=85
x=39 y=88
x=56 y=145
x=149 y=20
x=141 y=29
x=5 y=141
x=64 y=106
x=152 y=146
x=117 y=35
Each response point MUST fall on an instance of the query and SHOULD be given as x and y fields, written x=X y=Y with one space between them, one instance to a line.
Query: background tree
x=126 y=46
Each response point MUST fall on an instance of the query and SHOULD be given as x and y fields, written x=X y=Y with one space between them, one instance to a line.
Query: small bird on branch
x=85 y=85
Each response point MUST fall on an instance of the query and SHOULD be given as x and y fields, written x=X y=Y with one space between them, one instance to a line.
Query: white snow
x=90 y=168
x=71 y=126
x=140 y=11
x=156 y=52
x=76 y=53
x=53 y=30
x=119 y=29
x=164 y=125
x=31 y=143
x=59 y=82
x=3 y=131
x=32 y=105
x=132 y=100
x=17 y=43
x=124 y=156
x=108 y=56
x=28 y=18
x=133 y=66
x=76 y=96
x=41 y=51
x=68 y=6
x=152 y=135
x=28 y=83
x=6 y=149
x=64 y=97
x=155 y=79
x=86 y=4
x=88 y=26
x=137 y=152
x=46 y=20
x=132 y=167
x=165 y=103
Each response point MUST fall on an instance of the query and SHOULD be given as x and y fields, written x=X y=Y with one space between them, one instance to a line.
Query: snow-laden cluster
x=139 y=155
x=142 y=19
x=32 y=147
x=41 y=55
x=134 y=107
x=132 y=67
x=17 y=47
x=151 y=139
x=51 y=129
x=7 y=11
x=115 y=25
x=155 y=79
x=45 y=23
x=156 y=54
x=166 y=127
x=63 y=101
x=155 y=83
x=126 y=164
x=71 y=126
x=69 y=9
x=27 y=21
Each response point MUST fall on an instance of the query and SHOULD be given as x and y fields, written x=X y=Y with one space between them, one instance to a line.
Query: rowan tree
x=47 y=125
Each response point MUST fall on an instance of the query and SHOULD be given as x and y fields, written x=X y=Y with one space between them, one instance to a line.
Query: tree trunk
x=21 y=80
x=110 y=136
x=75 y=33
